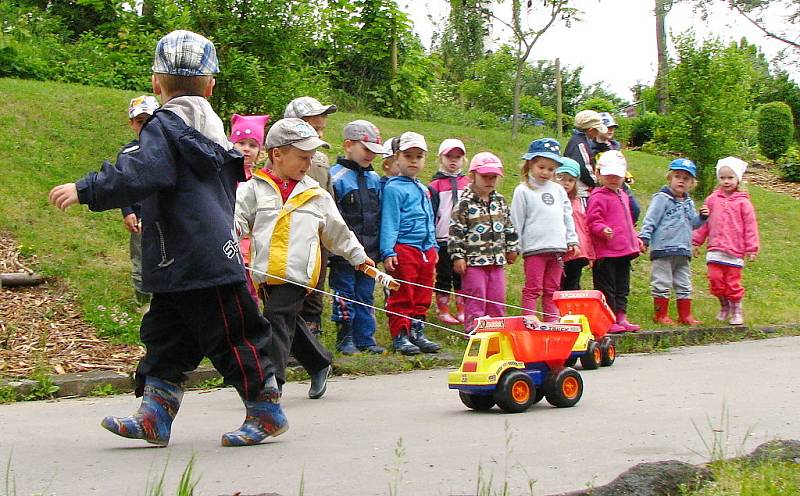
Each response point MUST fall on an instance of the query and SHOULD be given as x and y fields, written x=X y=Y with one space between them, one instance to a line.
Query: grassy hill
x=52 y=133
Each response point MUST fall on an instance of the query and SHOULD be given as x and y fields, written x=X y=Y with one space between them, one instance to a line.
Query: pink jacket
x=608 y=208
x=584 y=240
x=731 y=225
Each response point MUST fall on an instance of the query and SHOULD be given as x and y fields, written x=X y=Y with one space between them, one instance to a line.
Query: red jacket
x=731 y=225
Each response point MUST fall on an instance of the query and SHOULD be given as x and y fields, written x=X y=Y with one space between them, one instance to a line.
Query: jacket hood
x=667 y=191
x=196 y=112
x=736 y=195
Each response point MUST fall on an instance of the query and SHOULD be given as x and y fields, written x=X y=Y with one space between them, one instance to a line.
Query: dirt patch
x=41 y=328
x=766 y=176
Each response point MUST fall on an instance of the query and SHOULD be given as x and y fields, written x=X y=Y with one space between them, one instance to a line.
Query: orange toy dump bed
x=532 y=340
x=590 y=303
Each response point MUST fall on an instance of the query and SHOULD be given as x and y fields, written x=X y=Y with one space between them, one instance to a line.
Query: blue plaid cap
x=184 y=53
x=545 y=147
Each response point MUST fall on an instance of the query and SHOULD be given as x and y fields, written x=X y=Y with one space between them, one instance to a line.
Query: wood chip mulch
x=766 y=176
x=42 y=330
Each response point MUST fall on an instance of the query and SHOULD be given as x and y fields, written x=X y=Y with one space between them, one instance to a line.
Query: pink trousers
x=725 y=281
x=543 y=274
x=486 y=283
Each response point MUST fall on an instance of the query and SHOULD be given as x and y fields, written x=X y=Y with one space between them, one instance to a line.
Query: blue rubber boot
x=264 y=418
x=153 y=421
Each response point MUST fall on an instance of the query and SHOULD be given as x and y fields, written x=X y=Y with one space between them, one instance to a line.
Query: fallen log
x=13 y=279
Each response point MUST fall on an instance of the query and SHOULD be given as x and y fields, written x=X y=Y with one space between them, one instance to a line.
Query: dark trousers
x=221 y=323
x=312 y=305
x=612 y=276
x=572 y=274
x=446 y=279
x=282 y=305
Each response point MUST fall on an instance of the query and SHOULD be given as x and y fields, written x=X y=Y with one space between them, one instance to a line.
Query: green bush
x=789 y=165
x=775 y=129
x=643 y=128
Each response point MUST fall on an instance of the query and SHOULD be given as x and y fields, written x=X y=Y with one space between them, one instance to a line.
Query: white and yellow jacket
x=285 y=238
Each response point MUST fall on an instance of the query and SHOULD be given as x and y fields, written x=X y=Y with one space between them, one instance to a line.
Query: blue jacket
x=407 y=216
x=668 y=224
x=135 y=208
x=187 y=186
x=357 y=191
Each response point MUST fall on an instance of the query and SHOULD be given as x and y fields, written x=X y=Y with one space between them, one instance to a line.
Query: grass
x=738 y=478
x=70 y=129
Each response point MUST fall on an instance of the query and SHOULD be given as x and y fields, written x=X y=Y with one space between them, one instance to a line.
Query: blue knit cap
x=569 y=166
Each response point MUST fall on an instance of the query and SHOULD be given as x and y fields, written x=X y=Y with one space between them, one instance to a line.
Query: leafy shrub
x=598 y=105
x=775 y=129
x=789 y=165
x=643 y=128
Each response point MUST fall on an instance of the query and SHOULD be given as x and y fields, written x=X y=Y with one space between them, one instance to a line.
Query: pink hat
x=486 y=163
x=248 y=126
x=451 y=144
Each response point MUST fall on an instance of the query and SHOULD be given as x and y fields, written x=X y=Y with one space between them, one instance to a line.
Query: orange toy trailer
x=514 y=362
x=593 y=347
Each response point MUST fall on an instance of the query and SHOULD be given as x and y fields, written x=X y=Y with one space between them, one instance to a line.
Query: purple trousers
x=487 y=283
x=543 y=274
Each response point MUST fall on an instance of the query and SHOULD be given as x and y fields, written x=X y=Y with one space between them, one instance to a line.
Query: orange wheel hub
x=598 y=355
x=612 y=352
x=521 y=392
x=570 y=387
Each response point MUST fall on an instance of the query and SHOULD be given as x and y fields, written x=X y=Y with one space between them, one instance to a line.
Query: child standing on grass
x=185 y=173
x=247 y=136
x=289 y=216
x=408 y=247
x=140 y=110
x=732 y=235
x=615 y=242
x=482 y=240
x=357 y=191
x=667 y=231
x=446 y=186
x=542 y=215
x=567 y=176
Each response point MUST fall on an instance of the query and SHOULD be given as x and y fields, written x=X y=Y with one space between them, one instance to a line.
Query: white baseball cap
x=612 y=163
x=451 y=144
x=410 y=139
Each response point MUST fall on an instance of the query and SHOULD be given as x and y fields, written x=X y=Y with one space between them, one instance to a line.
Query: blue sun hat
x=569 y=166
x=684 y=164
x=545 y=147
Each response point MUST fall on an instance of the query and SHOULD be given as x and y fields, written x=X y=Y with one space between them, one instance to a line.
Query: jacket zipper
x=164 y=262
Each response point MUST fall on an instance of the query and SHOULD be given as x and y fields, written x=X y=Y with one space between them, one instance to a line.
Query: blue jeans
x=347 y=282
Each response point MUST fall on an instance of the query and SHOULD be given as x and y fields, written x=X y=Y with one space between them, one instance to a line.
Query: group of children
x=206 y=211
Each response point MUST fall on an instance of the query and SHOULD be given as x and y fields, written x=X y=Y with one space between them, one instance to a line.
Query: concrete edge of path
x=84 y=383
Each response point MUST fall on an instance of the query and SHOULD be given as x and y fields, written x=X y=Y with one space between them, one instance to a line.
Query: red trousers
x=725 y=281
x=415 y=266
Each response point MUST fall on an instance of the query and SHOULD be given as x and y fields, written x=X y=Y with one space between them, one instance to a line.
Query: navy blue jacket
x=357 y=191
x=135 y=208
x=187 y=186
x=586 y=163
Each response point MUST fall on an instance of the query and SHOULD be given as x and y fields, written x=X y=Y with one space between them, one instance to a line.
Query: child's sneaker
x=264 y=418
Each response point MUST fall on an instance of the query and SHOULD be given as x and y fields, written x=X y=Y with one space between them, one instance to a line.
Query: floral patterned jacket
x=481 y=232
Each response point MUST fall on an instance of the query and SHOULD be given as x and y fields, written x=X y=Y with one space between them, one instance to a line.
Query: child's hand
x=608 y=233
x=132 y=223
x=460 y=266
x=704 y=211
x=574 y=250
x=390 y=263
x=369 y=262
x=511 y=256
x=63 y=195
x=751 y=257
x=642 y=246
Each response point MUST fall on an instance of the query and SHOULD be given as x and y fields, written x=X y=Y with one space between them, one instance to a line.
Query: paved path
x=641 y=409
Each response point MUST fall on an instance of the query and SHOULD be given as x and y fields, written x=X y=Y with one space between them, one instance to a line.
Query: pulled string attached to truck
x=388 y=281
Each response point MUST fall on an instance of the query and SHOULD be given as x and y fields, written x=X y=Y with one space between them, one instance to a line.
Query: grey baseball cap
x=295 y=132
x=366 y=133
x=184 y=53
x=307 y=106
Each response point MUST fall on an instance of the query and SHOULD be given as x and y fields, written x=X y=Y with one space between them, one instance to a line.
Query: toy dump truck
x=514 y=362
x=588 y=309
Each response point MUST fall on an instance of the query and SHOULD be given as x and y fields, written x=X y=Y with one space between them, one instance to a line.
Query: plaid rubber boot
x=263 y=418
x=153 y=421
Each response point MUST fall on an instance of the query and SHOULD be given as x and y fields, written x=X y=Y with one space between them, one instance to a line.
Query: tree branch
x=762 y=28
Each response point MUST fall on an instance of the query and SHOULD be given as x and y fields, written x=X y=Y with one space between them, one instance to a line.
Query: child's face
x=289 y=162
x=680 y=182
x=452 y=161
x=410 y=162
x=137 y=123
x=249 y=148
x=612 y=182
x=727 y=180
x=390 y=166
x=484 y=184
x=318 y=122
x=610 y=132
x=358 y=153
x=567 y=182
x=542 y=169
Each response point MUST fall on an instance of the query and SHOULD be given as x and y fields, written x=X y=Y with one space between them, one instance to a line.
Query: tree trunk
x=662 y=90
x=147 y=8
x=515 y=15
x=559 y=107
x=13 y=279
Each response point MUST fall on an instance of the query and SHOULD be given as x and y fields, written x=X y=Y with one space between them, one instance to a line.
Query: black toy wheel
x=593 y=356
x=515 y=392
x=476 y=401
x=571 y=361
x=608 y=350
x=563 y=387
